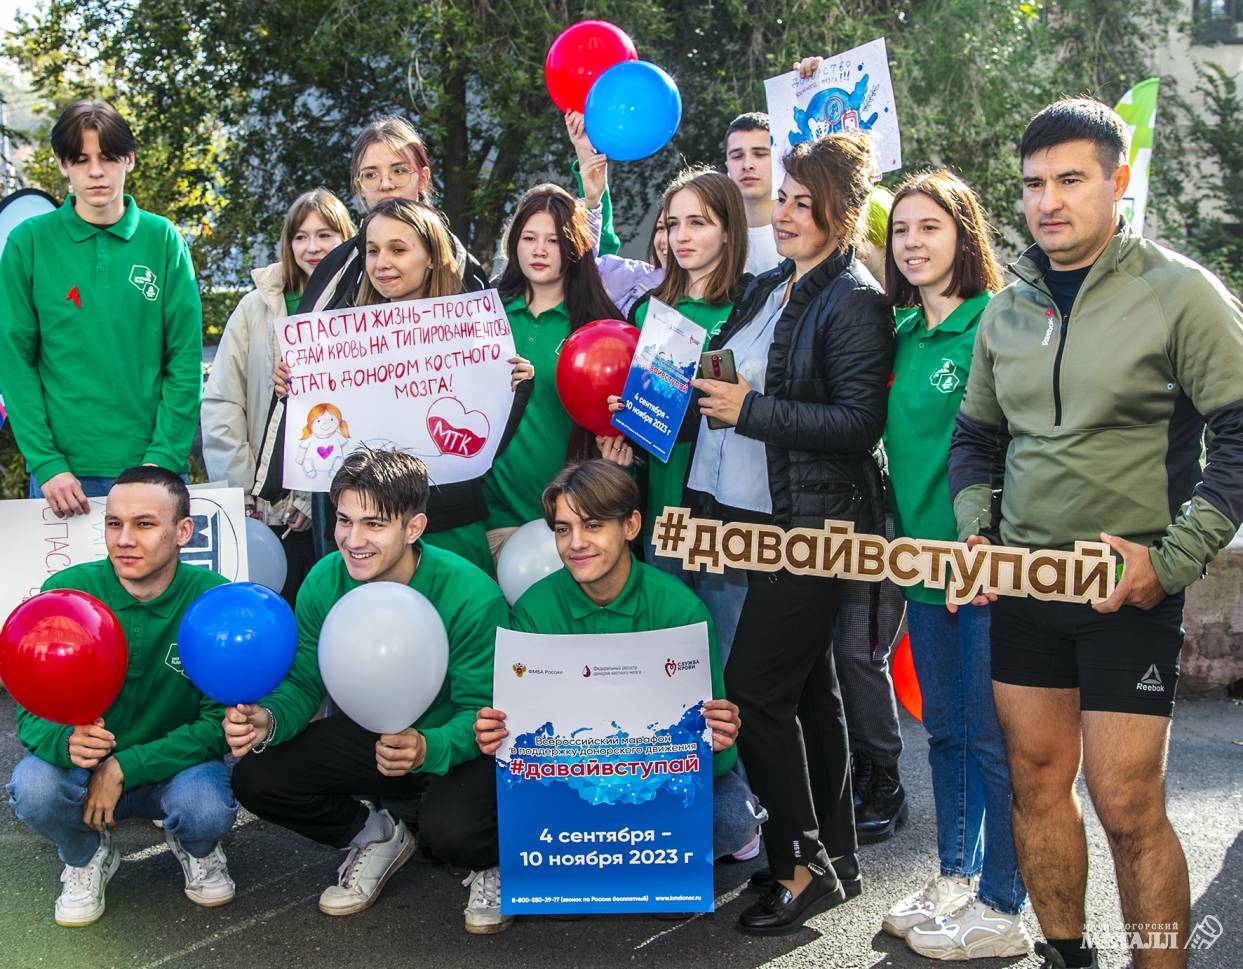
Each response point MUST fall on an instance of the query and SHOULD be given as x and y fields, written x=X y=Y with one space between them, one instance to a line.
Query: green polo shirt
x=471 y=606
x=929 y=377
x=101 y=343
x=557 y=606
x=666 y=480
x=537 y=450
x=162 y=723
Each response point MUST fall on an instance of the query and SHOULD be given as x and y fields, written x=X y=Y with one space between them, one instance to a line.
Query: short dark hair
x=394 y=482
x=116 y=140
x=751 y=121
x=599 y=489
x=172 y=483
x=976 y=269
x=1078 y=119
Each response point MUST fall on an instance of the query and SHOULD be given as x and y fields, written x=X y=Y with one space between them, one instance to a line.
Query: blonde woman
x=236 y=400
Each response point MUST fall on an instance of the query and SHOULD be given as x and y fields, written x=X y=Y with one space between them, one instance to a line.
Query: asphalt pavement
x=274 y=922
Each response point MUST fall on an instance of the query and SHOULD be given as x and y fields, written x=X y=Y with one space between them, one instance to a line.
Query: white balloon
x=265 y=556
x=383 y=655
x=528 y=556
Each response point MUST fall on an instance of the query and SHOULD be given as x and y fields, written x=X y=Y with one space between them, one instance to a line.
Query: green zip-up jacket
x=162 y=723
x=472 y=608
x=1100 y=418
x=101 y=343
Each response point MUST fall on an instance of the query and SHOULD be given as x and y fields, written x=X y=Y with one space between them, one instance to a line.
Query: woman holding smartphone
x=812 y=342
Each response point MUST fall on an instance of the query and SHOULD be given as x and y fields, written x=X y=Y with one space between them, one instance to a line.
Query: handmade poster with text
x=604 y=784
x=38 y=544
x=851 y=91
x=429 y=377
x=658 y=387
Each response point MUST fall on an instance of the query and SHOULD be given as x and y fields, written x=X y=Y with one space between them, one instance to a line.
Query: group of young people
x=914 y=394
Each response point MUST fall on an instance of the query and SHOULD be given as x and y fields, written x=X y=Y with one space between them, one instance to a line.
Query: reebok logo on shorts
x=1151 y=681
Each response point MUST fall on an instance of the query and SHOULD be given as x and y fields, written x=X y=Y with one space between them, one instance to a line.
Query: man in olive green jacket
x=1094 y=374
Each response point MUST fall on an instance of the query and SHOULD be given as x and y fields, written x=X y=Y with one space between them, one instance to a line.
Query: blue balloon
x=633 y=110
x=237 y=642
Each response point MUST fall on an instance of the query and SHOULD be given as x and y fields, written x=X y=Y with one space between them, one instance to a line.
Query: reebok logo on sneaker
x=1151 y=681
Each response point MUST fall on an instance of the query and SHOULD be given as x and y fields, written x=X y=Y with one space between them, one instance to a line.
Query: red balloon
x=905 y=683
x=593 y=364
x=63 y=656
x=580 y=54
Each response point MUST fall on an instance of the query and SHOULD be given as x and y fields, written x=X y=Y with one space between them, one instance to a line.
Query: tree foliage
x=239 y=106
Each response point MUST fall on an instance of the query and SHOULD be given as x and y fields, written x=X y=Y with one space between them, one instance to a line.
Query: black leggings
x=793 y=739
x=311 y=784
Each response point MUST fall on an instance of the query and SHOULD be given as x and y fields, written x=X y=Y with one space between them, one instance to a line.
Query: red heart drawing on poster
x=456 y=430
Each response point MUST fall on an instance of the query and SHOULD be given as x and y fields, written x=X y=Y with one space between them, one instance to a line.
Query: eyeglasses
x=399 y=176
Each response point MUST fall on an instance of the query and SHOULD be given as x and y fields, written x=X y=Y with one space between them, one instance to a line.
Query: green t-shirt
x=537 y=450
x=930 y=370
x=472 y=608
x=162 y=723
x=557 y=606
x=666 y=480
x=101 y=343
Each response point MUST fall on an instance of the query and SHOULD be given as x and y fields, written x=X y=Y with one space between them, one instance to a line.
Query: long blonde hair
x=442 y=277
x=335 y=215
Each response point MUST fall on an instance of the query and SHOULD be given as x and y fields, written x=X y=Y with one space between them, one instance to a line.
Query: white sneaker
x=81 y=900
x=750 y=850
x=365 y=871
x=207 y=879
x=974 y=931
x=483 y=909
x=940 y=896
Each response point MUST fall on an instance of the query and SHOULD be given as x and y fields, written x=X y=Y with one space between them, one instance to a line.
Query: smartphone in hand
x=718 y=365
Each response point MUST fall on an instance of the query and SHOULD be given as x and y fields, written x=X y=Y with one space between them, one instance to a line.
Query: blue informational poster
x=658 y=387
x=604 y=784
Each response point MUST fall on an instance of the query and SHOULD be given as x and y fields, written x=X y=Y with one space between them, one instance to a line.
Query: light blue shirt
x=730 y=467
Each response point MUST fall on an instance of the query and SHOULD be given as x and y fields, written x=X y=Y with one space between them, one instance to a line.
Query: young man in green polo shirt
x=100 y=325
x=593 y=509
x=304 y=775
x=157 y=751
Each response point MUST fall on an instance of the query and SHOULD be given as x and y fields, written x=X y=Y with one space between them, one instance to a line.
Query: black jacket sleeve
x=855 y=360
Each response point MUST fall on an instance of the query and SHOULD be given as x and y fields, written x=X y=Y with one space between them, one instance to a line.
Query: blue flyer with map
x=604 y=784
x=658 y=387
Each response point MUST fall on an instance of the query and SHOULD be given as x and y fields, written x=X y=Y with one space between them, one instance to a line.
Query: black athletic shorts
x=1121 y=662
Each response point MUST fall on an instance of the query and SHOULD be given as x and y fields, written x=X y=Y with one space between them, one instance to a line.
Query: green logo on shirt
x=946 y=377
x=173 y=660
x=144 y=279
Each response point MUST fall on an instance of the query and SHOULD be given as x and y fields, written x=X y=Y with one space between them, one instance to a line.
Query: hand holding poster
x=851 y=91
x=39 y=544
x=427 y=376
x=604 y=784
x=658 y=388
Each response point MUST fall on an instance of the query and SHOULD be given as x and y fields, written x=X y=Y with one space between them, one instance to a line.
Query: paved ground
x=274 y=922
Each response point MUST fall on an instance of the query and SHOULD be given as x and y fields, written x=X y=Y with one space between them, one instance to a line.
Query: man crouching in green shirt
x=304 y=775
x=157 y=751
x=593 y=509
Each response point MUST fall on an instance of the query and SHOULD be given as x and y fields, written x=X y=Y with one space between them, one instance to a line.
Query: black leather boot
x=884 y=807
x=860 y=778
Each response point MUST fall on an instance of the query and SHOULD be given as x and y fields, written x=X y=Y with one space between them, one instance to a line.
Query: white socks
x=378 y=827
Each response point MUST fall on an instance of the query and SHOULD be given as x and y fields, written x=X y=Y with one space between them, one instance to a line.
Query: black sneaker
x=860 y=778
x=884 y=807
x=1053 y=959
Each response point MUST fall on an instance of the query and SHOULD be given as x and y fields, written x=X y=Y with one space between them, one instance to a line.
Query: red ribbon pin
x=73 y=295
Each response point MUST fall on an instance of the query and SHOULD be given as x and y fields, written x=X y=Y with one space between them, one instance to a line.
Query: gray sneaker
x=483 y=909
x=81 y=899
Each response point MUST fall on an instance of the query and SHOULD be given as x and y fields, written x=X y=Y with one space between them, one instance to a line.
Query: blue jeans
x=970 y=780
x=197 y=806
x=736 y=814
x=723 y=595
x=91 y=487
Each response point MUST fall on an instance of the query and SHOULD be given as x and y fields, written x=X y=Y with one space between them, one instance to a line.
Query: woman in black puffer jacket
x=813 y=344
